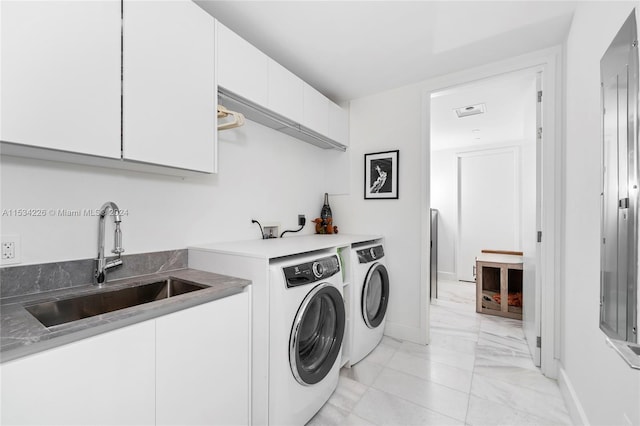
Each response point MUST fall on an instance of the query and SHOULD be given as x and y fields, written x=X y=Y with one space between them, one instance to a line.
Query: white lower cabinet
x=107 y=379
x=186 y=368
x=202 y=364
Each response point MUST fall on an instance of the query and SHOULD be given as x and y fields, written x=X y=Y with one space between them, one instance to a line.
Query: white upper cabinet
x=338 y=124
x=270 y=94
x=169 y=88
x=61 y=75
x=68 y=85
x=285 y=92
x=242 y=68
x=315 y=110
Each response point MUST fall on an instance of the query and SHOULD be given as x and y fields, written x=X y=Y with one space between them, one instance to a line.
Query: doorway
x=548 y=289
x=485 y=179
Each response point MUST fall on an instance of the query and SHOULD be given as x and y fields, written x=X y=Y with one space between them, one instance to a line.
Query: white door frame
x=549 y=62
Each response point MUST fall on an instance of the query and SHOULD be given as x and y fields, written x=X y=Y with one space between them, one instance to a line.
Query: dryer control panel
x=370 y=254
x=310 y=272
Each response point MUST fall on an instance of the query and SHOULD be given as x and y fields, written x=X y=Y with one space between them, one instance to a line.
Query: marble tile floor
x=477 y=370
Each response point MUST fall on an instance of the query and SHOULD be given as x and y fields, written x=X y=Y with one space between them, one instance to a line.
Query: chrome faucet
x=102 y=266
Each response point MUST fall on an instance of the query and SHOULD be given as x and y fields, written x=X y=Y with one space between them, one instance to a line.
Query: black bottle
x=326 y=210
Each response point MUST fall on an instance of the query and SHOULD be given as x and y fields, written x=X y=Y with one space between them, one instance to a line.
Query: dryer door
x=375 y=295
x=316 y=335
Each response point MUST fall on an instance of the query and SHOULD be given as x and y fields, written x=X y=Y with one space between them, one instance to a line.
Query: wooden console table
x=499 y=284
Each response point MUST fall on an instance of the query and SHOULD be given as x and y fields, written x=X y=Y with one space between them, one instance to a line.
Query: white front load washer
x=307 y=323
x=370 y=296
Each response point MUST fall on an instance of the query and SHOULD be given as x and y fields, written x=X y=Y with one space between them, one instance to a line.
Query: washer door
x=375 y=295
x=316 y=335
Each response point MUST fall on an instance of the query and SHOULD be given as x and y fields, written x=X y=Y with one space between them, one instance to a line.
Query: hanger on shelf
x=238 y=118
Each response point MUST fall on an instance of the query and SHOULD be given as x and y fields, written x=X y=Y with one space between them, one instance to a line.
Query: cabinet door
x=315 y=111
x=242 y=68
x=285 y=92
x=102 y=380
x=169 y=90
x=202 y=365
x=61 y=75
x=338 y=124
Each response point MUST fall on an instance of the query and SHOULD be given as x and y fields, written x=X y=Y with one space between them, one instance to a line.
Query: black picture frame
x=381 y=175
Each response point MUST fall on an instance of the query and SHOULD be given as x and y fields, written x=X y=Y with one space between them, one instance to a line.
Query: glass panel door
x=375 y=295
x=317 y=334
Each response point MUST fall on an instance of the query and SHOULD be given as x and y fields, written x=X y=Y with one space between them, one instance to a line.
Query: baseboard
x=448 y=276
x=577 y=413
x=403 y=332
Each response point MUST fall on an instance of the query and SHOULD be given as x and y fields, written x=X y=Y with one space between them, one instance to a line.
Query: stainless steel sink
x=76 y=308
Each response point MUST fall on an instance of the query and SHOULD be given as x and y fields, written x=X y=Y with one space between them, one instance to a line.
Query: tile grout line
x=473 y=374
x=370 y=387
x=431 y=381
x=422 y=407
x=419 y=378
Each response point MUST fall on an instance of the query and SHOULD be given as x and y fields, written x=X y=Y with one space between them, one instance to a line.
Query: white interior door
x=488 y=205
x=531 y=294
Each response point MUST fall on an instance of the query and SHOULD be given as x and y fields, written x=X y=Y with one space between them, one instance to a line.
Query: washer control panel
x=310 y=272
x=370 y=254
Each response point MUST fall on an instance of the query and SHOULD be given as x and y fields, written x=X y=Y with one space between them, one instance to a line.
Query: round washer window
x=375 y=295
x=317 y=333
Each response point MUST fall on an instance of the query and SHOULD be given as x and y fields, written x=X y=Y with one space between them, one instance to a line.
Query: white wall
x=384 y=122
x=607 y=390
x=444 y=195
x=263 y=174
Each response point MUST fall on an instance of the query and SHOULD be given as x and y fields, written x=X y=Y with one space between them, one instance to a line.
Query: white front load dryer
x=370 y=297
x=306 y=330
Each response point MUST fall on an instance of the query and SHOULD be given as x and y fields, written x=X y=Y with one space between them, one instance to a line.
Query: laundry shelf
x=273 y=120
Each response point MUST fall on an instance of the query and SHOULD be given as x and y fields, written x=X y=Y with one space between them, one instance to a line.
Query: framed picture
x=381 y=175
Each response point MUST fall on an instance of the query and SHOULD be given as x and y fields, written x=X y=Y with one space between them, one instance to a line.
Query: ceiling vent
x=470 y=110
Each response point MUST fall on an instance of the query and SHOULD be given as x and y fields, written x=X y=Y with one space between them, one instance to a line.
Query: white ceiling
x=510 y=111
x=350 y=49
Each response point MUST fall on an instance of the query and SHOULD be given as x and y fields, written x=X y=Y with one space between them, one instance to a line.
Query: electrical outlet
x=301 y=220
x=10 y=249
x=271 y=231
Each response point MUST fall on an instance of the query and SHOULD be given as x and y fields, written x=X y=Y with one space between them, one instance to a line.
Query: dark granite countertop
x=22 y=334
